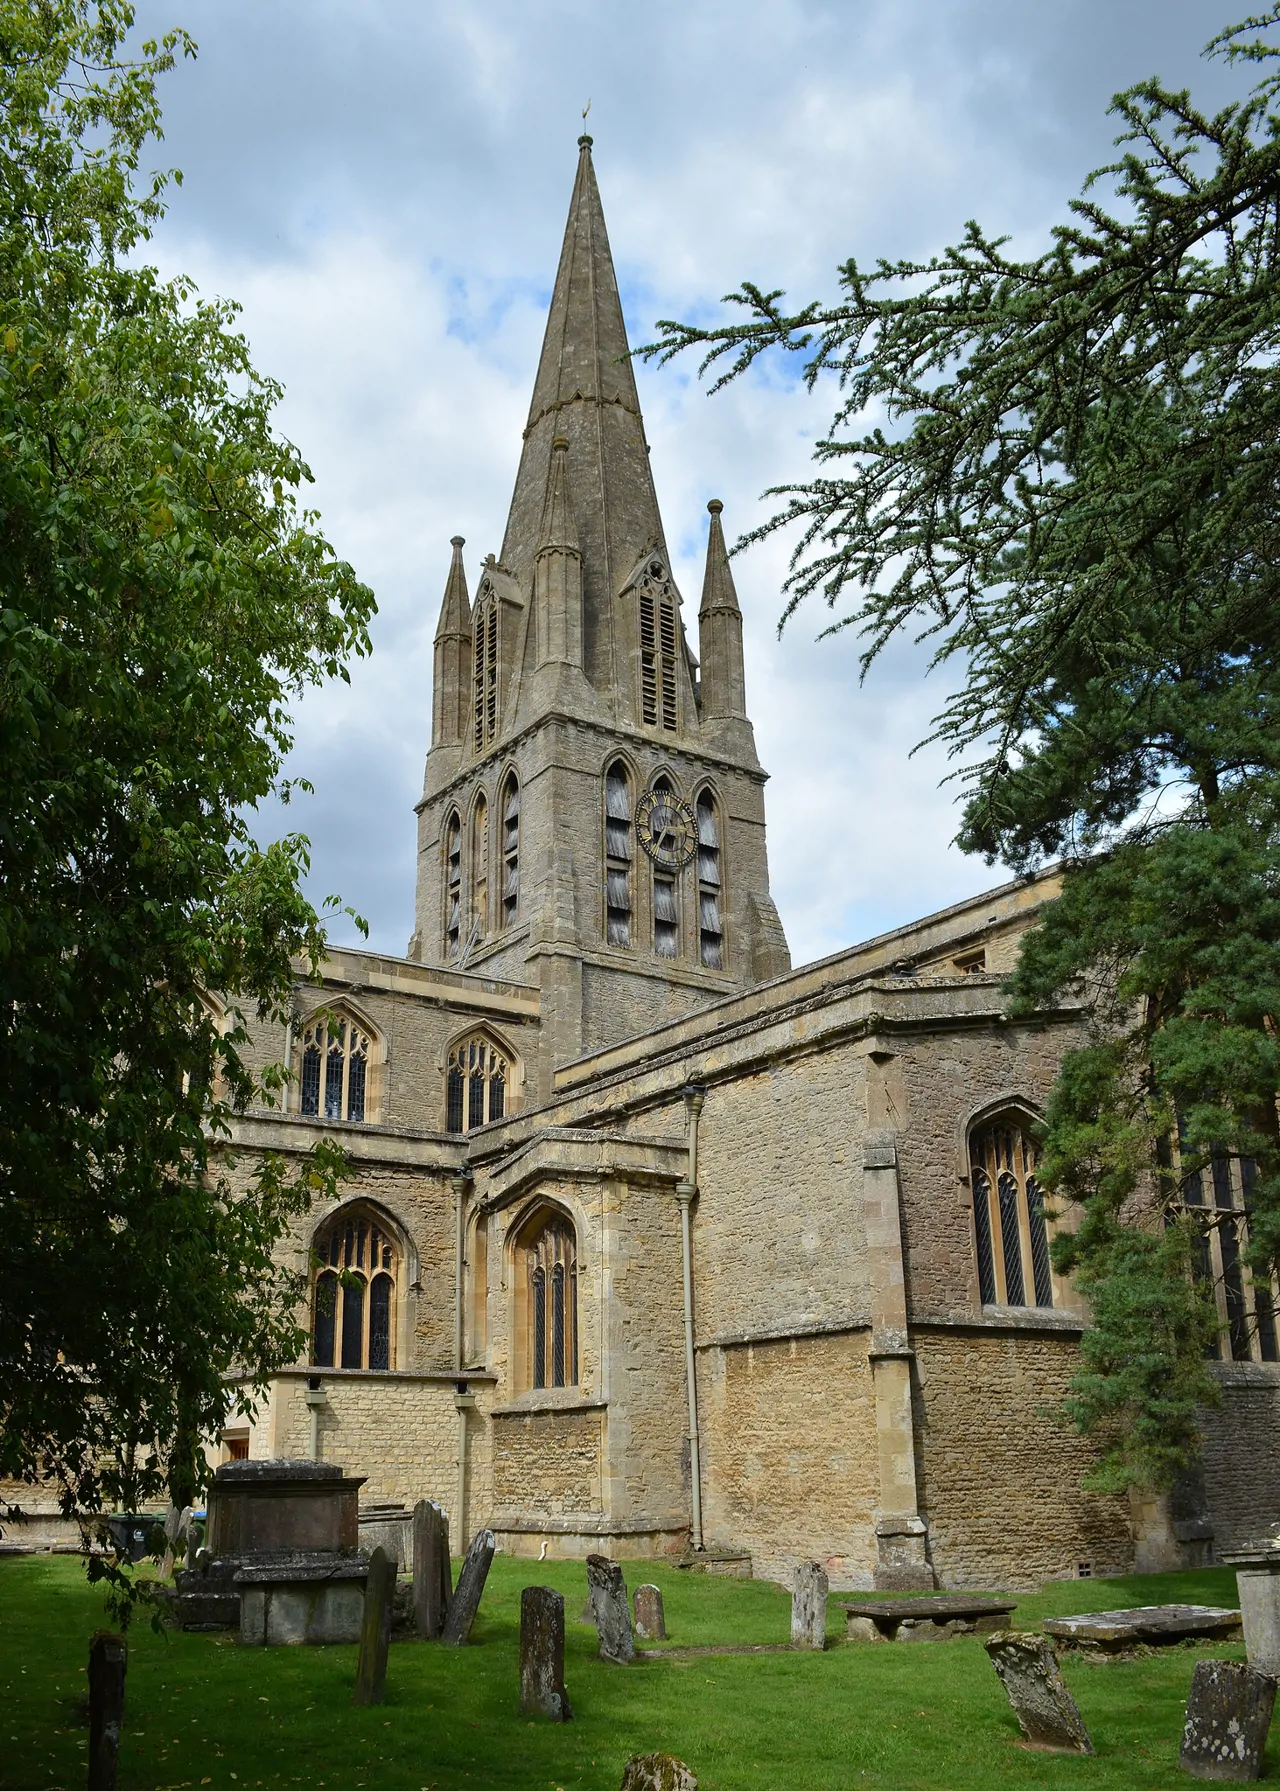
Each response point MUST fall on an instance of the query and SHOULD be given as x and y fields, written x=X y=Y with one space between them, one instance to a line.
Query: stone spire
x=557 y=578
x=724 y=690
x=585 y=393
x=452 y=662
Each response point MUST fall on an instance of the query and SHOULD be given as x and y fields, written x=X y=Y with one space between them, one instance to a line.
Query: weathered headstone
x=651 y=1622
x=611 y=1610
x=1044 y=1707
x=108 y=1662
x=1228 y=1715
x=657 y=1772
x=809 y=1606
x=542 y=1690
x=432 y=1580
x=375 y=1631
x=466 y=1594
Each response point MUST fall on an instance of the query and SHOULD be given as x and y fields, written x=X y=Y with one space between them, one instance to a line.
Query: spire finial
x=457 y=543
x=715 y=506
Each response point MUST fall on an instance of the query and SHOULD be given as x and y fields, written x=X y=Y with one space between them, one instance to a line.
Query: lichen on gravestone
x=809 y=1606
x=1033 y=1681
x=1228 y=1715
x=611 y=1610
x=542 y=1689
x=657 y=1772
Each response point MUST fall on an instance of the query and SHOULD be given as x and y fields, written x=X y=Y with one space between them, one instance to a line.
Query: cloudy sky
x=382 y=184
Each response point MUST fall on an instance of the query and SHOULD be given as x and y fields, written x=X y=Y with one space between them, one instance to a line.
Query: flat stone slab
x=924 y=1619
x=1146 y=1625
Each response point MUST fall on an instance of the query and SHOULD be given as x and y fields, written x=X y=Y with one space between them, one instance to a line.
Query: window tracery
x=710 y=927
x=659 y=648
x=336 y=1052
x=617 y=854
x=355 y=1290
x=477 y=1080
x=453 y=885
x=1010 y=1226
x=549 y=1268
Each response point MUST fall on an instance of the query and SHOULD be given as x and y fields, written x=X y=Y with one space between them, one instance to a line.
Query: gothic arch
x=339 y=1055
x=543 y=1254
x=709 y=893
x=362 y=1275
x=452 y=847
x=459 y=1100
x=1011 y=1227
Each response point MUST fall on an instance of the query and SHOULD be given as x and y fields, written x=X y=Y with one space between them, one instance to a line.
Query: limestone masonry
x=655 y=1244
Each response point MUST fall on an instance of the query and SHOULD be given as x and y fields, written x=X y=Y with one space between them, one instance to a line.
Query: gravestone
x=1228 y=1715
x=542 y=1690
x=1146 y=1625
x=657 y=1772
x=466 y=1594
x=809 y=1607
x=375 y=1631
x=651 y=1623
x=1044 y=1707
x=432 y=1583
x=610 y=1609
x=108 y=1662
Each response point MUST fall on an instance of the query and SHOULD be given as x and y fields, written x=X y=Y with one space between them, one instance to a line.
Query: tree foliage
x=1062 y=472
x=163 y=596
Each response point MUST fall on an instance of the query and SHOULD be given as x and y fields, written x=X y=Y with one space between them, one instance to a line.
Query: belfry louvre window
x=1216 y=1198
x=510 y=851
x=710 y=929
x=354 y=1296
x=550 y=1268
x=617 y=854
x=484 y=683
x=453 y=886
x=1010 y=1231
x=480 y=869
x=476 y=1083
x=659 y=645
x=335 y=1068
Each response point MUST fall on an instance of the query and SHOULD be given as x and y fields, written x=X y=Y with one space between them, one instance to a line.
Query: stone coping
x=294 y=1573
x=542 y=1408
x=1145 y=1623
x=586 y=1523
x=279 y=1467
x=1258 y=1554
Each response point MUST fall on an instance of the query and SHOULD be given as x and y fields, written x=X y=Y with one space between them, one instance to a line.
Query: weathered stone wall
x=789 y=1454
x=548 y=1463
x=999 y=1479
x=1242 y=1455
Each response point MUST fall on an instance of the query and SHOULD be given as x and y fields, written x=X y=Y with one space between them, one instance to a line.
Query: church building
x=654 y=1244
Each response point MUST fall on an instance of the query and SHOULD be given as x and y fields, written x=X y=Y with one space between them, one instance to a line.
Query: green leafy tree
x=163 y=596
x=1062 y=473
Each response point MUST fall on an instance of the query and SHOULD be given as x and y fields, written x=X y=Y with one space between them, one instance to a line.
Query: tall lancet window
x=480 y=869
x=659 y=643
x=666 y=898
x=453 y=885
x=617 y=854
x=550 y=1299
x=710 y=928
x=484 y=691
x=510 y=851
x=1010 y=1230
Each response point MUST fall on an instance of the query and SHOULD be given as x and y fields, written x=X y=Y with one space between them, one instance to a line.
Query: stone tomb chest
x=282 y=1556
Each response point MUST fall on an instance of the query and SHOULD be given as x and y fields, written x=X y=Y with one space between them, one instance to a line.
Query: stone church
x=654 y=1244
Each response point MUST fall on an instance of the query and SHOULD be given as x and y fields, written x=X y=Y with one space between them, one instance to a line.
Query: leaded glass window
x=1246 y=1303
x=1010 y=1226
x=617 y=854
x=354 y=1294
x=476 y=1081
x=334 y=1069
x=550 y=1268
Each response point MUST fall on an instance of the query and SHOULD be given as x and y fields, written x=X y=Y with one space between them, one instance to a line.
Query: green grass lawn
x=203 y=1711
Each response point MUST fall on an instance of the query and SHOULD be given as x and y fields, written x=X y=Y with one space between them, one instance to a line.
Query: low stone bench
x=1146 y=1625
x=925 y=1619
x=287 y=1603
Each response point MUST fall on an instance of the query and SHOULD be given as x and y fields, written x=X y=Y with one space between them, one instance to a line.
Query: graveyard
x=203 y=1709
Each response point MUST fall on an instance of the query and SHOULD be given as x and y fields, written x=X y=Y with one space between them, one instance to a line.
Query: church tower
x=592 y=816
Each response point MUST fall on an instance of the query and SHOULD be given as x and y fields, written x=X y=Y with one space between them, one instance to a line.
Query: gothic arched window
x=484 y=688
x=476 y=1083
x=353 y=1305
x=336 y=1053
x=1216 y=1197
x=480 y=868
x=710 y=927
x=617 y=854
x=510 y=850
x=666 y=897
x=1010 y=1230
x=549 y=1271
x=659 y=648
x=453 y=885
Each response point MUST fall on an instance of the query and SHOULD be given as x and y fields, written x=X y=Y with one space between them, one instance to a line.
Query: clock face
x=666 y=829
